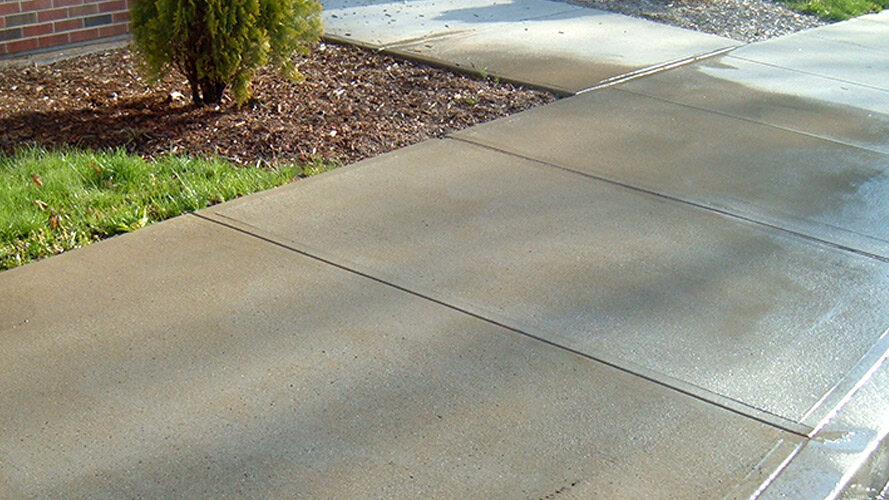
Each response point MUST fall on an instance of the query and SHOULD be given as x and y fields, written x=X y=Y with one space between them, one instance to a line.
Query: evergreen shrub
x=217 y=44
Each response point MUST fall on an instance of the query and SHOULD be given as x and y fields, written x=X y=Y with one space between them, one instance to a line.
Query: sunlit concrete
x=849 y=454
x=806 y=52
x=839 y=111
x=189 y=360
x=820 y=188
x=567 y=52
x=673 y=288
x=866 y=31
x=383 y=22
x=549 y=44
x=678 y=293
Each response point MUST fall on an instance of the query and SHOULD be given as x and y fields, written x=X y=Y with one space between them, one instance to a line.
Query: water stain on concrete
x=820 y=188
x=836 y=111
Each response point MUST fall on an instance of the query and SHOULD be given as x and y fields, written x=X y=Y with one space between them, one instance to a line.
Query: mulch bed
x=354 y=104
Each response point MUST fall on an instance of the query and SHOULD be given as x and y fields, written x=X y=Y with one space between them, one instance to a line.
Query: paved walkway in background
x=552 y=45
x=672 y=284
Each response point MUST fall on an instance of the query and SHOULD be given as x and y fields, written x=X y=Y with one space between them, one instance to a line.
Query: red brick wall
x=29 y=25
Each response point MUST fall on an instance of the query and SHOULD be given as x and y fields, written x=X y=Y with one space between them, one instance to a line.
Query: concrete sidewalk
x=671 y=286
x=553 y=45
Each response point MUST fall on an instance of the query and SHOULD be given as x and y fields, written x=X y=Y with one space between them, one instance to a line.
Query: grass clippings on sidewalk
x=51 y=202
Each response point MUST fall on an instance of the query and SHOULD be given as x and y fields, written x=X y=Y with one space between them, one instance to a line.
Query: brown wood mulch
x=354 y=104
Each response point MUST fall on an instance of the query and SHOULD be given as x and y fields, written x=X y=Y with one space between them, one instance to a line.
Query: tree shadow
x=144 y=126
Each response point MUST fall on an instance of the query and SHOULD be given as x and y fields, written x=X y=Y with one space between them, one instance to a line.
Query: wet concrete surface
x=822 y=107
x=190 y=360
x=677 y=293
x=849 y=455
x=818 y=188
x=819 y=56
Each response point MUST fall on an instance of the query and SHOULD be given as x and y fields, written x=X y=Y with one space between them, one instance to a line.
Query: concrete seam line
x=751 y=120
x=804 y=466
x=656 y=68
x=695 y=392
x=839 y=393
x=872 y=87
x=865 y=454
x=702 y=206
x=652 y=70
x=756 y=468
x=778 y=470
x=850 y=394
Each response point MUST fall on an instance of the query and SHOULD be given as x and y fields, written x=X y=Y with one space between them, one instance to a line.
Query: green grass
x=837 y=10
x=55 y=201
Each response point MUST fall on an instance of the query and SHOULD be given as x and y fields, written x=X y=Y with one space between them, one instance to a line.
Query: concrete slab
x=382 y=22
x=871 y=31
x=190 y=360
x=823 y=107
x=728 y=310
x=818 y=188
x=815 y=55
x=567 y=52
x=849 y=454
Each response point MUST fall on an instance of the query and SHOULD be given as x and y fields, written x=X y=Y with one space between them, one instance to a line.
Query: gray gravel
x=745 y=20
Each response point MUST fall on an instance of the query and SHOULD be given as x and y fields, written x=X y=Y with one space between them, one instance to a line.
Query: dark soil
x=354 y=104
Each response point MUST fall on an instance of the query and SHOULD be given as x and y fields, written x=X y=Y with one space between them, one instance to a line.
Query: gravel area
x=744 y=20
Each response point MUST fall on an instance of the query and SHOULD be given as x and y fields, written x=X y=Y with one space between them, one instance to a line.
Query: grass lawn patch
x=838 y=10
x=52 y=201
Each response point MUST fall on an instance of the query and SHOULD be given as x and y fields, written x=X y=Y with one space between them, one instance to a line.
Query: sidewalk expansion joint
x=397 y=49
x=702 y=206
x=778 y=470
x=819 y=75
x=653 y=70
x=698 y=393
x=841 y=392
x=751 y=120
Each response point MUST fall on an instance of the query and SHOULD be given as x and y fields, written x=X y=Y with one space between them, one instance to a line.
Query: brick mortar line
x=37 y=26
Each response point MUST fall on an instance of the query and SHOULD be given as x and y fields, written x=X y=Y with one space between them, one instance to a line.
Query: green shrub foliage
x=220 y=43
